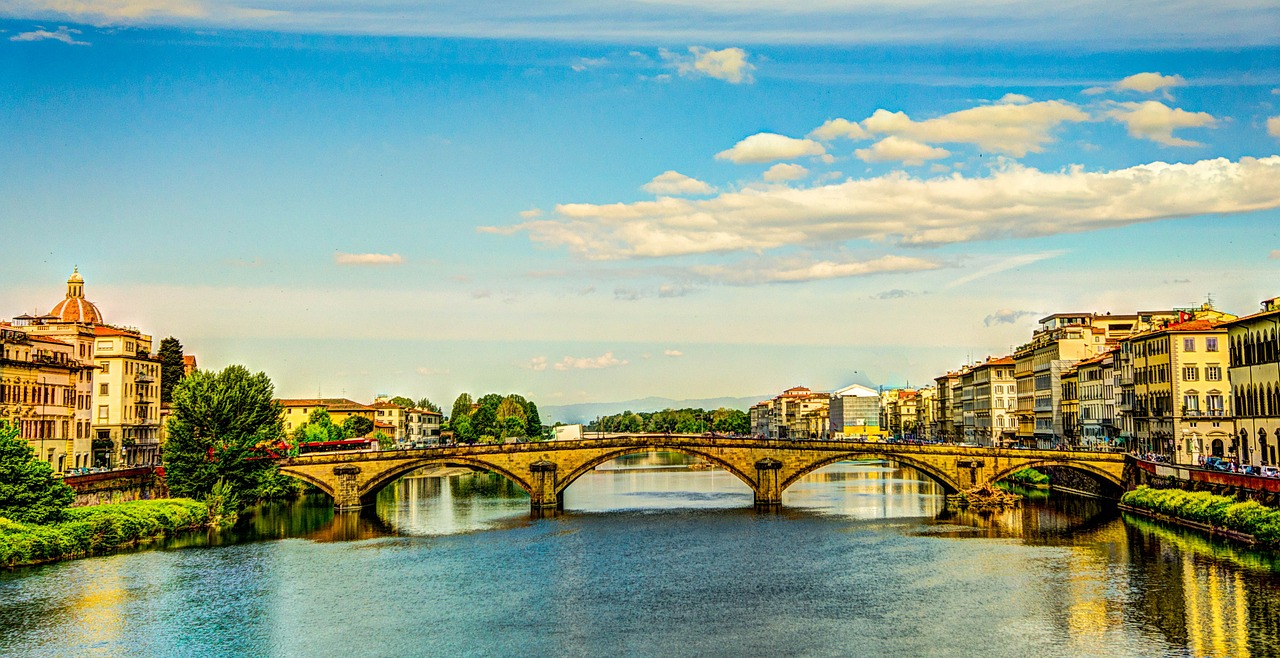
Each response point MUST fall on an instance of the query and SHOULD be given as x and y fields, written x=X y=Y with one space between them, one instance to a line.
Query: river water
x=651 y=558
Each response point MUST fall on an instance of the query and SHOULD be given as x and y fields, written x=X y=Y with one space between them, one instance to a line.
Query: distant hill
x=586 y=412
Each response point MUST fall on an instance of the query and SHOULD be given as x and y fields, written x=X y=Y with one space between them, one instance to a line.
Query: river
x=651 y=558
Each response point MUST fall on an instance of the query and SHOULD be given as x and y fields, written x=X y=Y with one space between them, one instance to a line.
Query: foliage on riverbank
x=1249 y=517
x=1030 y=477
x=99 y=529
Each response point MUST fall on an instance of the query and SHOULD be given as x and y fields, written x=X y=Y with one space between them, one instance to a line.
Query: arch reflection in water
x=657 y=481
x=441 y=501
x=873 y=489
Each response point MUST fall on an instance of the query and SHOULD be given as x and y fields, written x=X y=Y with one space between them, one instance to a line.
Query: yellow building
x=1069 y=405
x=38 y=395
x=118 y=388
x=1254 y=353
x=297 y=411
x=126 y=397
x=1180 y=392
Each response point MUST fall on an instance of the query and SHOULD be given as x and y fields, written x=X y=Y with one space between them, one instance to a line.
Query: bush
x=1248 y=517
x=92 y=530
x=1029 y=476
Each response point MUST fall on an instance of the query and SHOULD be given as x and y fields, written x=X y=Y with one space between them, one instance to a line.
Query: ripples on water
x=650 y=559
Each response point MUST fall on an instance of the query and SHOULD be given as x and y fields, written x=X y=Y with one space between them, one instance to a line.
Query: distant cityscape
x=1181 y=384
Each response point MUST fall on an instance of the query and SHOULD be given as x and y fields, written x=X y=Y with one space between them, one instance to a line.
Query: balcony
x=143 y=378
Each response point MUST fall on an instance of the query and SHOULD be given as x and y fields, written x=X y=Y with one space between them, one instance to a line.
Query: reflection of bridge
x=767 y=466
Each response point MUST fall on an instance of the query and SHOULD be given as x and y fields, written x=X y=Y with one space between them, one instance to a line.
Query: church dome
x=75 y=308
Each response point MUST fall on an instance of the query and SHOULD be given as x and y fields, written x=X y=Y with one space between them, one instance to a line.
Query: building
x=394 y=419
x=1069 y=405
x=1254 y=374
x=798 y=413
x=1098 y=401
x=126 y=396
x=944 y=406
x=39 y=395
x=423 y=426
x=119 y=381
x=992 y=399
x=854 y=413
x=297 y=411
x=1180 y=390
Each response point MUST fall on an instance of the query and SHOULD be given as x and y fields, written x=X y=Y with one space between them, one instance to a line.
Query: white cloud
x=1275 y=254
x=898 y=149
x=1273 y=126
x=537 y=363
x=367 y=259
x=584 y=63
x=767 y=147
x=728 y=64
x=673 y=353
x=1003 y=265
x=64 y=34
x=784 y=172
x=1013 y=201
x=531 y=213
x=1156 y=121
x=1007 y=316
x=1149 y=82
x=798 y=269
x=606 y=360
x=1014 y=99
x=674 y=182
x=835 y=128
x=1014 y=129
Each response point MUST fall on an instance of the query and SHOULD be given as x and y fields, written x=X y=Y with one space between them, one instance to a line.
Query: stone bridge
x=767 y=466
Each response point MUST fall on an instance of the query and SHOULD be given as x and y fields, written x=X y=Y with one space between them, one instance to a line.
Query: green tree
x=172 y=369
x=462 y=429
x=28 y=491
x=425 y=403
x=402 y=401
x=511 y=409
x=219 y=420
x=319 y=427
x=533 y=422
x=461 y=406
x=484 y=423
x=385 y=442
x=357 y=426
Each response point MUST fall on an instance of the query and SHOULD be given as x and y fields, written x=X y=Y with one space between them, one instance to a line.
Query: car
x=1217 y=464
x=1270 y=472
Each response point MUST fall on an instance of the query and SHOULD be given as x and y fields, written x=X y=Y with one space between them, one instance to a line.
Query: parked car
x=1270 y=472
x=1217 y=464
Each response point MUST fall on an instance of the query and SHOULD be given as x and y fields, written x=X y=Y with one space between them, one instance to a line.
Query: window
x=1191 y=373
x=102 y=411
x=1211 y=344
x=1188 y=344
x=106 y=367
x=1213 y=373
x=1191 y=405
x=102 y=388
x=1213 y=404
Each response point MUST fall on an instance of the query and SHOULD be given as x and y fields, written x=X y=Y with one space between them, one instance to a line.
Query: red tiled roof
x=112 y=331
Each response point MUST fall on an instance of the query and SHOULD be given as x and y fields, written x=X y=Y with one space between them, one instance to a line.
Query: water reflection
x=866 y=490
x=423 y=503
x=656 y=481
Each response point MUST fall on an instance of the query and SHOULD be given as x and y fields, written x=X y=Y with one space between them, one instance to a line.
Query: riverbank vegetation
x=1249 y=517
x=676 y=421
x=29 y=493
x=1029 y=477
x=85 y=531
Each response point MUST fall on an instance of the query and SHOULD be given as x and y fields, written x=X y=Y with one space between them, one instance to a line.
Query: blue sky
x=688 y=199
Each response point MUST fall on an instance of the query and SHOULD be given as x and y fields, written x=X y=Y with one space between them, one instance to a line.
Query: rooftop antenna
x=1209 y=300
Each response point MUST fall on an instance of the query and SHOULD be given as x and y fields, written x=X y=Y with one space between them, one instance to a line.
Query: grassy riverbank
x=100 y=529
x=1029 y=477
x=1249 y=518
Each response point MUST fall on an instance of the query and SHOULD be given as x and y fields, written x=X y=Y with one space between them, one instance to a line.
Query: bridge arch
x=1100 y=474
x=370 y=488
x=586 y=467
x=948 y=484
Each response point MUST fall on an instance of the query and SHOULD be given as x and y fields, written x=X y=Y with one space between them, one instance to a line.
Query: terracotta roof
x=112 y=331
x=381 y=425
x=189 y=360
x=336 y=404
x=384 y=405
x=1191 y=325
x=77 y=309
x=44 y=339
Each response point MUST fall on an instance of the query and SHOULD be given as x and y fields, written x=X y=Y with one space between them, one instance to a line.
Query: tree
x=462 y=429
x=218 y=421
x=484 y=423
x=28 y=491
x=319 y=427
x=425 y=403
x=533 y=422
x=172 y=368
x=357 y=426
x=461 y=407
x=402 y=402
x=384 y=442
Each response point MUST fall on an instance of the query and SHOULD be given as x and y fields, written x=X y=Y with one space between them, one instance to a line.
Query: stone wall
x=117 y=486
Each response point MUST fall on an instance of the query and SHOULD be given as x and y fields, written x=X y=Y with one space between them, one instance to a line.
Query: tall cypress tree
x=172 y=369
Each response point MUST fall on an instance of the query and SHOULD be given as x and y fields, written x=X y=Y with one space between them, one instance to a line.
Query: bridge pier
x=346 y=490
x=768 y=484
x=543 y=498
